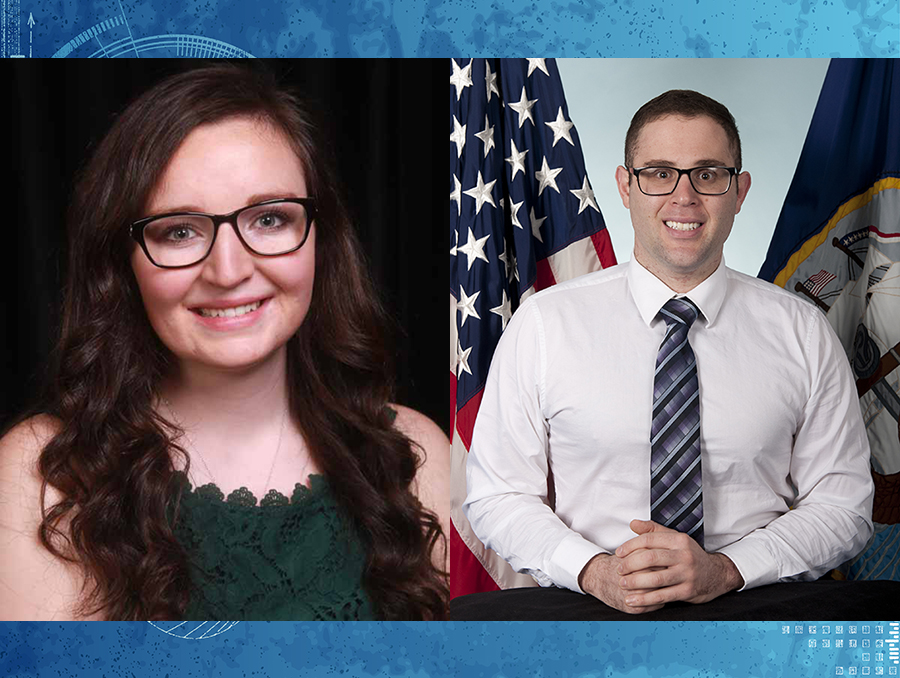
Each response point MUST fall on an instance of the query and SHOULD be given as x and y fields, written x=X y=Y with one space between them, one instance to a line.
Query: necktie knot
x=683 y=311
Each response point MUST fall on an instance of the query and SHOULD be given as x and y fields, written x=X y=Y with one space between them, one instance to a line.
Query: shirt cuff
x=753 y=560
x=569 y=559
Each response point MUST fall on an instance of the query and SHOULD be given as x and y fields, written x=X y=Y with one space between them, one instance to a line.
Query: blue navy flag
x=522 y=217
x=837 y=243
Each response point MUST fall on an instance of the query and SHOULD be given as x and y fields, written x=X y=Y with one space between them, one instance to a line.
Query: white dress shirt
x=787 y=492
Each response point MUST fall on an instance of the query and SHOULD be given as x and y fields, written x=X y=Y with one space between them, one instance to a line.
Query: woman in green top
x=220 y=337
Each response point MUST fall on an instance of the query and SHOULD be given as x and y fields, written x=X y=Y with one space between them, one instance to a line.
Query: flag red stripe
x=883 y=235
x=467 y=574
x=452 y=396
x=604 y=248
x=465 y=418
x=544 y=278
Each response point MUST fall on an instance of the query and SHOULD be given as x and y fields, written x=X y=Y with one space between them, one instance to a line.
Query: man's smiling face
x=679 y=237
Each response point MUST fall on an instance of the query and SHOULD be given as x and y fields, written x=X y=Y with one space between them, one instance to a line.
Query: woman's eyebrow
x=251 y=200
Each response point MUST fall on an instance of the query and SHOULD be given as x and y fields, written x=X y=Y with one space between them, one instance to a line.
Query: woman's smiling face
x=219 y=168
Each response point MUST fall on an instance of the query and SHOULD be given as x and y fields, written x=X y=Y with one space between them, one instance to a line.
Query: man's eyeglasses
x=663 y=180
x=269 y=229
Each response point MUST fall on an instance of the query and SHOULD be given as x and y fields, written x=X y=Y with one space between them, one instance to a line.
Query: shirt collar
x=650 y=293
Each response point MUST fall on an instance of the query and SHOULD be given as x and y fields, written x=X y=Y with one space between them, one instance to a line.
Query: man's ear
x=623 y=183
x=743 y=187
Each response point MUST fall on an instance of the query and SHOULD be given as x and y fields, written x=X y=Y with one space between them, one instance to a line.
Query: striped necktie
x=676 y=499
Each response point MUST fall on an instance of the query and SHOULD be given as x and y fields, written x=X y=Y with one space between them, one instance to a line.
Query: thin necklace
x=194 y=447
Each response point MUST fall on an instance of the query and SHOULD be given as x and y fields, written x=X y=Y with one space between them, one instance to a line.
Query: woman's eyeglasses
x=268 y=228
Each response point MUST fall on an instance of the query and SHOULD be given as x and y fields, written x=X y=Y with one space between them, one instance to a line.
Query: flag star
x=547 y=177
x=487 y=136
x=537 y=64
x=536 y=225
x=504 y=259
x=466 y=304
x=504 y=310
x=473 y=249
x=456 y=195
x=514 y=212
x=561 y=128
x=461 y=78
x=482 y=193
x=516 y=159
x=490 y=81
x=458 y=136
x=462 y=359
x=523 y=108
x=514 y=268
x=455 y=242
x=585 y=196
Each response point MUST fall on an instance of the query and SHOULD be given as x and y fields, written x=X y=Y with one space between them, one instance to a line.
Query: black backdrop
x=381 y=117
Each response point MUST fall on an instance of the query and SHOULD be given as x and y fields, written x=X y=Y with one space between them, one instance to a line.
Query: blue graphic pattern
x=473 y=650
x=443 y=28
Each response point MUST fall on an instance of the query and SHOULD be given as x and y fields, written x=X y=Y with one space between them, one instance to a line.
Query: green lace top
x=284 y=559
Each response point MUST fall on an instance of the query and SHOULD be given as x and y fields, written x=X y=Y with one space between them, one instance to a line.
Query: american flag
x=522 y=217
x=816 y=283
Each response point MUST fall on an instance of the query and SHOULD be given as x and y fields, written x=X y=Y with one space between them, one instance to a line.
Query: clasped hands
x=658 y=566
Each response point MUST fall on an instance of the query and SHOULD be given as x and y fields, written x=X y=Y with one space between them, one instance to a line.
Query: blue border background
x=443 y=28
x=437 y=28
x=429 y=649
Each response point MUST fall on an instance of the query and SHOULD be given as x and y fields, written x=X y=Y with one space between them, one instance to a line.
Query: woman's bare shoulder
x=34 y=584
x=419 y=428
x=432 y=485
x=430 y=439
x=20 y=450
x=434 y=475
x=34 y=432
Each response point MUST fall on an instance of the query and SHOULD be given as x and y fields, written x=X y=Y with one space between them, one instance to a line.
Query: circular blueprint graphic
x=88 y=44
x=194 y=630
x=135 y=29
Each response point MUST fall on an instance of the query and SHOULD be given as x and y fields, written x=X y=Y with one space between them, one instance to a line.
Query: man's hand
x=600 y=579
x=662 y=565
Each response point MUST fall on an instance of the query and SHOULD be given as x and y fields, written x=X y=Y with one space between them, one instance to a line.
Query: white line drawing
x=153 y=46
x=194 y=630
x=894 y=651
x=10 y=41
x=122 y=10
x=120 y=41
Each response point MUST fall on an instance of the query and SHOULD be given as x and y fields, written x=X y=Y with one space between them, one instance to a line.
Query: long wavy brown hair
x=114 y=457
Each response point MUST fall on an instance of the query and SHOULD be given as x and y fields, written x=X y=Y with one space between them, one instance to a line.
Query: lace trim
x=243 y=497
x=287 y=560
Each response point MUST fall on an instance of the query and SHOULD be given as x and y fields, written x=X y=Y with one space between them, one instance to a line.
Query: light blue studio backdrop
x=772 y=101
x=426 y=28
x=464 y=650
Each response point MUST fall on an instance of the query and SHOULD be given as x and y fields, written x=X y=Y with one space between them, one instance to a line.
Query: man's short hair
x=687 y=104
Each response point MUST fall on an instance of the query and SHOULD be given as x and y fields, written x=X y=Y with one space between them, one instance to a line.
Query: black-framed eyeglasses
x=663 y=180
x=269 y=229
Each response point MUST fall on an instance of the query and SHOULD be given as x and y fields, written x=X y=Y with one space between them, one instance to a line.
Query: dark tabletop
x=823 y=600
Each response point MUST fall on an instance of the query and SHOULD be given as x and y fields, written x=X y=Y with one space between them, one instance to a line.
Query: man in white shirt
x=782 y=451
